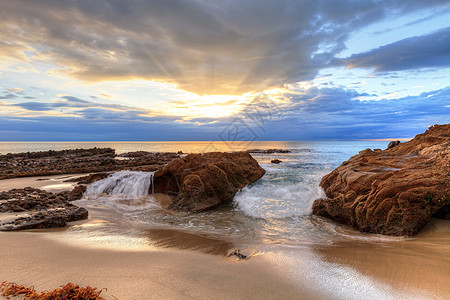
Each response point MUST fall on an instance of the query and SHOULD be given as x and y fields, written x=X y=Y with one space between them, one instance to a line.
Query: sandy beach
x=34 y=259
x=198 y=268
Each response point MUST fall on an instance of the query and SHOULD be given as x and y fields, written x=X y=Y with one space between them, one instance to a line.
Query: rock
x=88 y=179
x=393 y=144
x=268 y=151
x=40 y=209
x=395 y=191
x=201 y=182
x=79 y=161
x=275 y=161
x=76 y=193
x=237 y=253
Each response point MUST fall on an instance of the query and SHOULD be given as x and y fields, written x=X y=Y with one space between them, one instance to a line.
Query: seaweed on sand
x=68 y=291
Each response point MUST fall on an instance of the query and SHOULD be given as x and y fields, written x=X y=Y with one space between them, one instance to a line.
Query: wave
x=269 y=199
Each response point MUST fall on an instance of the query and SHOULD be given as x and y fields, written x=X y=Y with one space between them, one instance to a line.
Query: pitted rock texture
x=394 y=192
x=30 y=208
x=201 y=182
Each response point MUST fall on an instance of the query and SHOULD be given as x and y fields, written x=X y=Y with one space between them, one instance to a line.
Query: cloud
x=226 y=47
x=8 y=96
x=89 y=110
x=336 y=113
x=310 y=114
x=426 y=51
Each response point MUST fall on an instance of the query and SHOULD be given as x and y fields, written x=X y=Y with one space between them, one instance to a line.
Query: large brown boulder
x=395 y=191
x=201 y=182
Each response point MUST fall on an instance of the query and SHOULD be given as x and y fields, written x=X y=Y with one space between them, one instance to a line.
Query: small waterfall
x=124 y=183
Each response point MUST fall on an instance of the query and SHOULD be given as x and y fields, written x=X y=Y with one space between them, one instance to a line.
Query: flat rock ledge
x=394 y=192
x=75 y=161
x=30 y=208
x=200 y=182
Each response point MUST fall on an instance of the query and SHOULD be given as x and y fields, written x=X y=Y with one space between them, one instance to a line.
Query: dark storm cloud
x=427 y=51
x=204 y=47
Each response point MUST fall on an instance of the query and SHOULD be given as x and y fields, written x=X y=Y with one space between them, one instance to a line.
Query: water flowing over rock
x=395 y=191
x=126 y=183
x=201 y=182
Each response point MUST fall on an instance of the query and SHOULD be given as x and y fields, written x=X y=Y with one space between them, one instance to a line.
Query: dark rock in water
x=268 y=151
x=275 y=161
x=201 y=182
x=180 y=152
x=40 y=209
x=393 y=144
x=396 y=191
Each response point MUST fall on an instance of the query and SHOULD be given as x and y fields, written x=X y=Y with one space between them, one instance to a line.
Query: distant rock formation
x=395 y=191
x=275 y=161
x=268 y=151
x=201 y=182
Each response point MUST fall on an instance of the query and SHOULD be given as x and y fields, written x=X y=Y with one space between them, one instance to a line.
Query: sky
x=73 y=70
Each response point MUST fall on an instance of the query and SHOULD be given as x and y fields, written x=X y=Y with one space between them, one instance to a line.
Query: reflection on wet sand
x=420 y=264
x=170 y=238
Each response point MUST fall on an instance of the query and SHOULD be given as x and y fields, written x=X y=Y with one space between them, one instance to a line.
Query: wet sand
x=33 y=259
x=53 y=183
x=420 y=265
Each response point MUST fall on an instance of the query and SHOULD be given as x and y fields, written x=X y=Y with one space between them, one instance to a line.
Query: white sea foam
x=274 y=200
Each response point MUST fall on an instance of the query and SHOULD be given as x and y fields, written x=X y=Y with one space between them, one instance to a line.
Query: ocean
x=272 y=215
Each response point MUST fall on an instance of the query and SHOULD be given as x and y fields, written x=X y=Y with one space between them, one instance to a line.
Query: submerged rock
x=201 y=182
x=395 y=191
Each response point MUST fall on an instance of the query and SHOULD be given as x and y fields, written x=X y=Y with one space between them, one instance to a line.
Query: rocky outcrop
x=276 y=161
x=30 y=208
x=201 y=182
x=395 y=191
x=79 y=161
x=268 y=151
